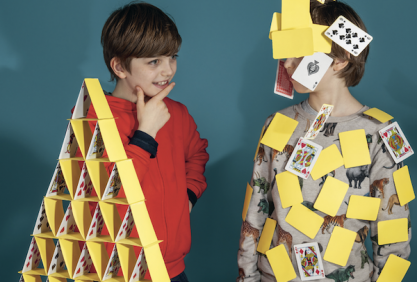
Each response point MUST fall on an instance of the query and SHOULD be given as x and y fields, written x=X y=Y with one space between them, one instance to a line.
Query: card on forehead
x=396 y=143
x=303 y=158
x=312 y=69
x=283 y=85
x=113 y=185
x=320 y=120
x=348 y=36
x=309 y=262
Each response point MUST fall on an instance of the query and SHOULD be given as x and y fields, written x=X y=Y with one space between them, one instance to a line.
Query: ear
x=339 y=64
x=117 y=67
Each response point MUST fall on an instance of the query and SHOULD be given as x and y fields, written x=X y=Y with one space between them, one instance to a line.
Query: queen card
x=303 y=158
x=320 y=120
x=309 y=262
x=396 y=143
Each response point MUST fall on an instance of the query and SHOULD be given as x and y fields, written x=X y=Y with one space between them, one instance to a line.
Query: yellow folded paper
x=363 y=208
x=295 y=14
x=279 y=132
x=259 y=142
x=71 y=253
x=281 y=264
x=157 y=268
x=275 y=24
x=31 y=278
x=111 y=218
x=130 y=181
x=98 y=98
x=98 y=175
x=99 y=256
x=403 y=185
x=340 y=245
x=266 y=236
x=289 y=189
x=83 y=134
x=292 y=43
x=392 y=231
x=321 y=42
x=143 y=224
x=354 y=148
x=304 y=220
x=331 y=196
x=378 y=114
x=329 y=159
x=127 y=260
x=394 y=270
x=112 y=141
x=248 y=196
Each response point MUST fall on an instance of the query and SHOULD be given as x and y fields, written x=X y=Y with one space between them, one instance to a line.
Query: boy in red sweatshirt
x=140 y=45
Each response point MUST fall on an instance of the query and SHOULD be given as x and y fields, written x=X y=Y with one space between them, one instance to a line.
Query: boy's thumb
x=141 y=97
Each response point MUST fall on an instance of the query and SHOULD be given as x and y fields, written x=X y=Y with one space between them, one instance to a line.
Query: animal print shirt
x=374 y=180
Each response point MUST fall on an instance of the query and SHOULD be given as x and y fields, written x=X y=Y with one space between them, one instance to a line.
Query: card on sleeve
x=281 y=264
x=266 y=236
x=248 y=196
x=395 y=142
x=403 y=185
x=394 y=270
x=392 y=231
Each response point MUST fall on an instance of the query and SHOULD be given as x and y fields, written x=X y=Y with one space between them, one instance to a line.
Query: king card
x=348 y=36
x=57 y=185
x=309 y=262
x=283 y=85
x=113 y=185
x=70 y=144
x=140 y=268
x=320 y=120
x=311 y=70
x=303 y=158
x=396 y=143
x=96 y=149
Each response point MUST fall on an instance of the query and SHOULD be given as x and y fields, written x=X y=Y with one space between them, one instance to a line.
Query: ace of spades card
x=320 y=120
x=140 y=268
x=113 y=185
x=84 y=263
x=311 y=70
x=85 y=185
x=309 y=262
x=96 y=224
x=113 y=266
x=395 y=142
x=33 y=257
x=57 y=262
x=303 y=158
x=126 y=227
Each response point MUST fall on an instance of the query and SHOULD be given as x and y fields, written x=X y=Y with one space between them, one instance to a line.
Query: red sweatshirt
x=179 y=164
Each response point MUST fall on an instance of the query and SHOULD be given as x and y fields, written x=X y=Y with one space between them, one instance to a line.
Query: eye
x=174 y=57
x=154 y=62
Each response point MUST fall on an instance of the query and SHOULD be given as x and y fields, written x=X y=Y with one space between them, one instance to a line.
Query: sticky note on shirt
x=304 y=220
x=275 y=24
x=394 y=270
x=329 y=159
x=292 y=43
x=354 y=148
x=392 y=231
x=331 y=196
x=279 y=132
x=322 y=43
x=248 y=196
x=363 y=208
x=266 y=236
x=403 y=185
x=289 y=189
x=259 y=142
x=340 y=245
x=378 y=114
x=295 y=14
x=281 y=264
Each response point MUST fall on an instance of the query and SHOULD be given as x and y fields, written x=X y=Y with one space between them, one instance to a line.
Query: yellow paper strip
x=403 y=185
x=98 y=175
x=394 y=270
x=31 y=278
x=259 y=142
x=331 y=196
x=46 y=248
x=130 y=181
x=292 y=43
x=295 y=14
x=111 y=218
x=248 y=196
x=71 y=253
x=266 y=236
x=58 y=279
x=281 y=264
x=99 y=256
x=392 y=231
x=82 y=216
x=112 y=141
x=156 y=265
x=289 y=189
x=363 y=208
x=275 y=24
x=354 y=148
x=127 y=260
x=71 y=171
x=329 y=159
x=98 y=98
x=304 y=220
x=83 y=134
x=378 y=114
x=54 y=213
x=321 y=42
x=143 y=224
x=340 y=245
x=279 y=132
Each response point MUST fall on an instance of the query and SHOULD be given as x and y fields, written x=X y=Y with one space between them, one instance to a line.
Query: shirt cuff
x=145 y=141
x=192 y=197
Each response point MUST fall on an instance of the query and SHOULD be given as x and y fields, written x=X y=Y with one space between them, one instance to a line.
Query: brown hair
x=138 y=30
x=326 y=14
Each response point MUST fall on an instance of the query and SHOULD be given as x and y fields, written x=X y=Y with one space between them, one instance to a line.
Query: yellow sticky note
x=157 y=268
x=99 y=256
x=248 y=196
x=259 y=142
x=275 y=24
x=130 y=181
x=295 y=14
x=363 y=208
x=144 y=226
x=329 y=159
x=111 y=218
x=378 y=114
x=403 y=185
x=127 y=259
x=340 y=245
x=392 y=231
x=321 y=42
x=304 y=220
x=281 y=264
x=112 y=140
x=292 y=43
x=71 y=253
x=354 y=148
x=98 y=98
x=331 y=196
x=266 y=236
x=289 y=189
x=279 y=132
x=394 y=270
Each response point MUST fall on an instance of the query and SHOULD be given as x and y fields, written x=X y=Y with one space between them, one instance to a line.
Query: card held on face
x=394 y=270
x=331 y=196
x=354 y=148
x=340 y=245
x=281 y=264
x=266 y=236
x=403 y=185
x=329 y=160
x=363 y=208
x=289 y=189
x=304 y=220
x=283 y=86
x=279 y=132
x=392 y=231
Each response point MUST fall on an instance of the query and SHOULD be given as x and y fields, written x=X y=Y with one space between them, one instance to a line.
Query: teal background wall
x=225 y=77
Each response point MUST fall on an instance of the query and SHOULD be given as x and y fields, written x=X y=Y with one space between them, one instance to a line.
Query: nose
x=289 y=63
x=167 y=67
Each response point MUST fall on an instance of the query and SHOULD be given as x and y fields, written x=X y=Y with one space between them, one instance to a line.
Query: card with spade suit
x=311 y=70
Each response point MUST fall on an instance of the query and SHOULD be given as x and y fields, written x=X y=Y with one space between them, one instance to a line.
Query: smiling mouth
x=161 y=83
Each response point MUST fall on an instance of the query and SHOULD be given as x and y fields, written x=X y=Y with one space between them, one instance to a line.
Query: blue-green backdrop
x=225 y=77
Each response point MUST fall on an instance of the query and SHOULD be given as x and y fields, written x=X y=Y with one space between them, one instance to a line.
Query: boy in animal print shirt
x=374 y=180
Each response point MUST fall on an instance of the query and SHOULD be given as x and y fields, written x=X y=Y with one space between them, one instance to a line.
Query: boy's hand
x=190 y=205
x=153 y=114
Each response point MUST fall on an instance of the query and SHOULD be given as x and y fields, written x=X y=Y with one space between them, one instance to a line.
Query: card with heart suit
x=85 y=185
x=57 y=185
x=348 y=36
x=57 y=262
x=42 y=224
x=303 y=158
x=113 y=185
x=83 y=103
x=311 y=70
x=309 y=261
x=113 y=266
x=68 y=222
x=396 y=143
x=33 y=257
x=96 y=148
x=320 y=120
x=140 y=268
x=70 y=144
x=84 y=263
x=126 y=227
x=96 y=224
x=283 y=85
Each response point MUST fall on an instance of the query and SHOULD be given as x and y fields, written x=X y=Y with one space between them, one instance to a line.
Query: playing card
x=140 y=268
x=83 y=103
x=70 y=144
x=42 y=224
x=126 y=227
x=57 y=262
x=303 y=158
x=68 y=222
x=96 y=148
x=85 y=185
x=309 y=262
x=349 y=36
x=283 y=85
x=96 y=224
x=395 y=142
x=113 y=185
x=21 y=279
x=113 y=266
x=320 y=120
x=57 y=185
x=84 y=263
x=312 y=69
x=33 y=257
